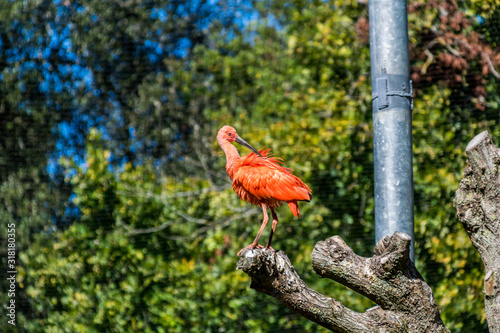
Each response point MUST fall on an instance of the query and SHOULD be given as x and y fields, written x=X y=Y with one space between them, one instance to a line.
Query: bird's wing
x=265 y=182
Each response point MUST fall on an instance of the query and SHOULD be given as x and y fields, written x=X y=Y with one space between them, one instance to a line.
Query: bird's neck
x=232 y=156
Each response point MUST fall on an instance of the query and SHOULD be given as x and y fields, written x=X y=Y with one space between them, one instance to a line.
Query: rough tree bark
x=389 y=278
x=478 y=205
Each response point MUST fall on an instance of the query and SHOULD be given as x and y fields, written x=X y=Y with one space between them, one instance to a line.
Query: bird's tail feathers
x=294 y=207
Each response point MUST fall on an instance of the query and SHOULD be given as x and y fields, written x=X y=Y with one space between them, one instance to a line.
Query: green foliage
x=31 y=200
x=110 y=273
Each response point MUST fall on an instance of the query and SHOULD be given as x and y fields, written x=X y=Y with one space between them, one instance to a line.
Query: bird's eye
x=229 y=133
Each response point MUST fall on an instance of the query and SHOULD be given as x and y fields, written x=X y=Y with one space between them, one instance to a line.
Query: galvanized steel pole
x=392 y=106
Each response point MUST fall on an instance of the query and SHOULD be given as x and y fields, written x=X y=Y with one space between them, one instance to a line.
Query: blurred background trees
x=109 y=166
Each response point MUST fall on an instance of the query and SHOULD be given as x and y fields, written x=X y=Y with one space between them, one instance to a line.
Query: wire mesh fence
x=114 y=188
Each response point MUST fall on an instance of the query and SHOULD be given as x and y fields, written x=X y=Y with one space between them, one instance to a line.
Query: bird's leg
x=275 y=223
x=264 y=223
x=256 y=240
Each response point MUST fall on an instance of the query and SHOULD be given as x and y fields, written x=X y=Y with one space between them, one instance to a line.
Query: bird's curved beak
x=246 y=144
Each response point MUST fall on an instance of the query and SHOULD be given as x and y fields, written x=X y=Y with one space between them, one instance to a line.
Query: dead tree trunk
x=389 y=278
x=478 y=205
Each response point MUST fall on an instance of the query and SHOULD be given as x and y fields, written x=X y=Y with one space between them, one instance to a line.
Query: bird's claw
x=253 y=246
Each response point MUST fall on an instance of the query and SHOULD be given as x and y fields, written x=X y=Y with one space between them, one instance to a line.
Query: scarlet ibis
x=260 y=180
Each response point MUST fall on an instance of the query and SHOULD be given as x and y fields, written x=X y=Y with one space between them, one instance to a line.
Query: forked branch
x=389 y=278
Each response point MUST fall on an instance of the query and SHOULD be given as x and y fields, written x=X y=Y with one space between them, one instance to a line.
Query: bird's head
x=228 y=133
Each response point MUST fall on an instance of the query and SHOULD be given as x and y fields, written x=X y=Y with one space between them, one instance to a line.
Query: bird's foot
x=251 y=247
x=270 y=248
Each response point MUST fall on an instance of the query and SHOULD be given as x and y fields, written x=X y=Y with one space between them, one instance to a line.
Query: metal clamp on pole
x=397 y=86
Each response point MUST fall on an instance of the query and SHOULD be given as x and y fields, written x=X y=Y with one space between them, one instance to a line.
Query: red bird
x=260 y=180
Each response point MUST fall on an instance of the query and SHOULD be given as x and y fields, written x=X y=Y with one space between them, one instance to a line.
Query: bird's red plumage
x=260 y=180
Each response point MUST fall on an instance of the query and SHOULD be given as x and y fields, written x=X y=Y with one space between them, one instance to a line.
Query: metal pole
x=392 y=106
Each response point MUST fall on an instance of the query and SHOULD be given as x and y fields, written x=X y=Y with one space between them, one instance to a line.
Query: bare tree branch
x=389 y=278
x=273 y=274
x=490 y=65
